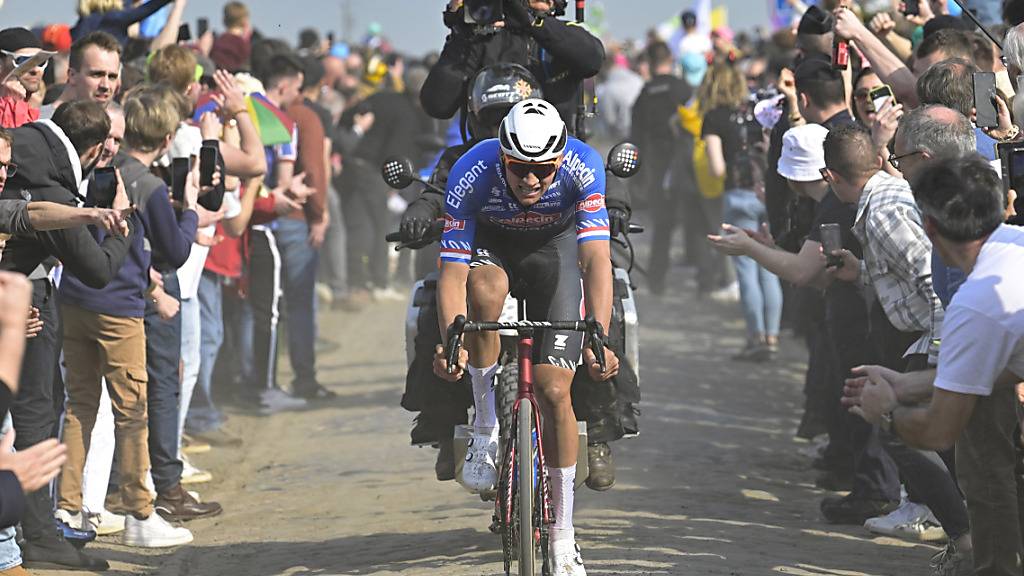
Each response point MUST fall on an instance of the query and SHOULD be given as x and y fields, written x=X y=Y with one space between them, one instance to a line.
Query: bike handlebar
x=593 y=329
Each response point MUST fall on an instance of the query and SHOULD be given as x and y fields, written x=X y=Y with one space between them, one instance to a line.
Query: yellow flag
x=719 y=17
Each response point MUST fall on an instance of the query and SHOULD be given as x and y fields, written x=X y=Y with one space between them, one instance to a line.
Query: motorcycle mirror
x=624 y=160
x=398 y=172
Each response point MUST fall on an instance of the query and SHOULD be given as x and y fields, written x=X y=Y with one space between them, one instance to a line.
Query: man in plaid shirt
x=897 y=253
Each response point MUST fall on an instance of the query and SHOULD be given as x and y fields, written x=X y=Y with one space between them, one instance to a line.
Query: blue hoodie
x=169 y=235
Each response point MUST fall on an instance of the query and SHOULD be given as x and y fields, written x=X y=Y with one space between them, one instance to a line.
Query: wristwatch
x=887 y=422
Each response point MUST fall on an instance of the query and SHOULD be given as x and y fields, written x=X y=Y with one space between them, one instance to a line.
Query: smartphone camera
x=207 y=164
x=878 y=96
x=103 y=187
x=180 y=167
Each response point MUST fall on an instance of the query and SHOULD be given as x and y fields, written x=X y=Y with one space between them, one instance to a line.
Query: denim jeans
x=203 y=414
x=190 y=343
x=10 y=553
x=34 y=409
x=299 y=261
x=986 y=460
x=163 y=354
x=760 y=295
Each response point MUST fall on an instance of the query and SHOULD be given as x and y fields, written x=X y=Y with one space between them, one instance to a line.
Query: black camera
x=485 y=13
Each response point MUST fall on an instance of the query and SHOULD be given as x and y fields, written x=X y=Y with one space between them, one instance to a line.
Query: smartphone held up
x=831 y=241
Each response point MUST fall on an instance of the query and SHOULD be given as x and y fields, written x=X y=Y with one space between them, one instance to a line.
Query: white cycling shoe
x=566 y=559
x=479 y=472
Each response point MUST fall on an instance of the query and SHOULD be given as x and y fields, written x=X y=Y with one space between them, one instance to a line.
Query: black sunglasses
x=10 y=168
x=522 y=169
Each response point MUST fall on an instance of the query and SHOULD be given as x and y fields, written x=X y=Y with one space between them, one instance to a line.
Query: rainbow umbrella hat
x=273 y=125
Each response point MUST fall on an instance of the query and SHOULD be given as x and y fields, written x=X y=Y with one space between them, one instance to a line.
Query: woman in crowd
x=722 y=96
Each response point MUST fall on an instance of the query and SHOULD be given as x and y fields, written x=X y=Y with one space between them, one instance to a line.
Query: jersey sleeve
x=466 y=185
x=591 y=213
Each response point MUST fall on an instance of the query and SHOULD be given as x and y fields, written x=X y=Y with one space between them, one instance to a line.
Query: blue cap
x=694 y=67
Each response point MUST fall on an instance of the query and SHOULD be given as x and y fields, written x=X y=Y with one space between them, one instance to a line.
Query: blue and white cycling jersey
x=478 y=195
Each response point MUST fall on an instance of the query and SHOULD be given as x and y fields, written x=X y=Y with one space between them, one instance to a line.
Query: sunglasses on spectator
x=861 y=94
x=10 y=168
x=895 y=160
x=522 y=169
x=20 y=59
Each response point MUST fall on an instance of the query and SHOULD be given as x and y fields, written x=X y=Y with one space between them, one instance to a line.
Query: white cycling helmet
x=533 y=132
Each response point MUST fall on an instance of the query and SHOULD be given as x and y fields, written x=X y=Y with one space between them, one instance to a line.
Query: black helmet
x=501 y=86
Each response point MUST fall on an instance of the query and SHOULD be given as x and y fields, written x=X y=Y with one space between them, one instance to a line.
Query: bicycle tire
x=525 y=493
x=506 y=389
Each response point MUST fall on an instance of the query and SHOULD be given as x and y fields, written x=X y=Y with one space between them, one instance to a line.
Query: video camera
x=483 y=14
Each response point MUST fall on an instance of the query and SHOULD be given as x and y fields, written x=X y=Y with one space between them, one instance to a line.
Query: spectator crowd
x=168 y=201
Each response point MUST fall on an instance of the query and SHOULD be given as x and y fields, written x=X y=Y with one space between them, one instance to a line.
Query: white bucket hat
x=803 y=153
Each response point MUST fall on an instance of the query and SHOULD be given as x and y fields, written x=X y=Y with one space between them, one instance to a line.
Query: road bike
x=523 y=501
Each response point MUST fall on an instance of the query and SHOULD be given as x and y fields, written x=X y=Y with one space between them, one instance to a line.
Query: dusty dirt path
x=714 y=484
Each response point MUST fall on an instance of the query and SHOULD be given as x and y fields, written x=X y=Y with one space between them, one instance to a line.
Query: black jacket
x=559 y=54
x=48 y=170
x=655 y=127
x=394 y=129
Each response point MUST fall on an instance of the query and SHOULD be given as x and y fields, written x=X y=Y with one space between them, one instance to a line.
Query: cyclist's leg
x=487 y=287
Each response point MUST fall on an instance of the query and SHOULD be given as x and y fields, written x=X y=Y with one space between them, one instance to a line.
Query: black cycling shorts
x=547 y=274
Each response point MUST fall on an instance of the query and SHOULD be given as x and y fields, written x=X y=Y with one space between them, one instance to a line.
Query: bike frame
x=525 y=393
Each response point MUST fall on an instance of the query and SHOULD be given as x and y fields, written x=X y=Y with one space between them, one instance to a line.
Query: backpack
x=710 y=186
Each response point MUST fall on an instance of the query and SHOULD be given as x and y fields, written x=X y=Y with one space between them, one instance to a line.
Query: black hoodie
x=49 y=169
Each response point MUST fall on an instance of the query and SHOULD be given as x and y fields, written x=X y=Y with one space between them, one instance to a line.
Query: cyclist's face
x=529 y=188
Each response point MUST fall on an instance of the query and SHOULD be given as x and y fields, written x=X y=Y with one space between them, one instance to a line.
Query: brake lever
x=455 y=342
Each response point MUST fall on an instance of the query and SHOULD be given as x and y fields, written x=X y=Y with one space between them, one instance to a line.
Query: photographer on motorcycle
x=559 y=54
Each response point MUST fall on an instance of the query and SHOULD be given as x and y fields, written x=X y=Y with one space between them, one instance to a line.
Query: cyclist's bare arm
x=451 y=302
x=596 y=266
x=451 y=294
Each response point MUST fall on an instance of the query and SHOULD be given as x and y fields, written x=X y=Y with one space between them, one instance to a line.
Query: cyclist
x=527 y=210
x=491 y=95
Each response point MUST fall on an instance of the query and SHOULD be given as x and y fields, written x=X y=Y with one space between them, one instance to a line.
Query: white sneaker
x=911 y=520
x=192 y=475
x=153 y=532
x=105 y=523
x=566 y=559
x=730 y=293
x=277 y=400
x=388 y=294
x=480 y=473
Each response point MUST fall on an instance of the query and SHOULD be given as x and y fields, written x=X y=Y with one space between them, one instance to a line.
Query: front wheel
x=525 y=494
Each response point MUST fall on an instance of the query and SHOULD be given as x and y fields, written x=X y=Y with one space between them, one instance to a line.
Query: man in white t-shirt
x=981 y=357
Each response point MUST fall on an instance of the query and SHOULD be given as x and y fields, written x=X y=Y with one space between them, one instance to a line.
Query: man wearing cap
x=801 y=163
x=17 y=45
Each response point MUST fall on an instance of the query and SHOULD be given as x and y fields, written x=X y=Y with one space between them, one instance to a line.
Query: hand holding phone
x=831 y=241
